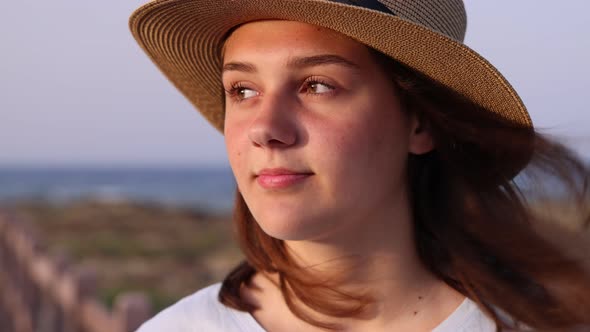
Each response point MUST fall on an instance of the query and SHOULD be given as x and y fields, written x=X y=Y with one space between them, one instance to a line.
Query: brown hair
x=474 y=223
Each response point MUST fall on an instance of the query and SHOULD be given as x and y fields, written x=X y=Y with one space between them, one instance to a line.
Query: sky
x=75 y=89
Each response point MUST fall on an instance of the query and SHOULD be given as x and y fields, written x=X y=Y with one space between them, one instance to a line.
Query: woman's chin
x=289 y=227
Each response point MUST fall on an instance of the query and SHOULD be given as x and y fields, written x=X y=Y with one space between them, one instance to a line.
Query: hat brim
x=183 y=38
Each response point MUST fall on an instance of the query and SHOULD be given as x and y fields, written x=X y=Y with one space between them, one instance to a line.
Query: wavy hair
x=477 y=225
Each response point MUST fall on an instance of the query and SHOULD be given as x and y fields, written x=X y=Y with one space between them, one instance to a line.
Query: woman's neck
x=409 y=299
x=370 y=246
x=377 y=258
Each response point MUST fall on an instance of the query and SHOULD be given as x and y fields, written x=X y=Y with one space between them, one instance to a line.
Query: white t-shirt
x=202 y=312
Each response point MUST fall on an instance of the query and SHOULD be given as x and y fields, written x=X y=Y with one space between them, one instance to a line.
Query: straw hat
x=184 y=38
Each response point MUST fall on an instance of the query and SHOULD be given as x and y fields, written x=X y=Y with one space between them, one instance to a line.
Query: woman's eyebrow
x=319 y=60
x=239 y=66
x=296 y=62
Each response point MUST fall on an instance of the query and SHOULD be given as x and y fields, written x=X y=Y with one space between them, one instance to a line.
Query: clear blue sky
x=76 y=89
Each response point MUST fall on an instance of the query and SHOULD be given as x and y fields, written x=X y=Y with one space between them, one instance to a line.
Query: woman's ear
x=420 y=140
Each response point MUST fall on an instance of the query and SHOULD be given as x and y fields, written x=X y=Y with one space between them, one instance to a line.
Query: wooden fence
x=39 y=293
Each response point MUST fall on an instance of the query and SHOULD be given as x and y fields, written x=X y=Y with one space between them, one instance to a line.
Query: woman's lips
x=280 y=178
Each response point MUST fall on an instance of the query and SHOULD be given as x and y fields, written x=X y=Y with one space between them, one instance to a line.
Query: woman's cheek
x=235 y=143
x=341 y=149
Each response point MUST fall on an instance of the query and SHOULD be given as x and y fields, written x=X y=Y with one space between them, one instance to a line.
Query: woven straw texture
x=184 y=37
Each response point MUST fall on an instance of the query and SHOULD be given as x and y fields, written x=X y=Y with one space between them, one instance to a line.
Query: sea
x=204 y=188
x=211 y=189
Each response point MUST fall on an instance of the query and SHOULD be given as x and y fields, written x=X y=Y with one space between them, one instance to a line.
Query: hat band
x=369 y=4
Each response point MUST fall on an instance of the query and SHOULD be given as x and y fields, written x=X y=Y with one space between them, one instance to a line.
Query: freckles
x=235 y=155
x=348 y=146
x=235 y=140
x=235 y=158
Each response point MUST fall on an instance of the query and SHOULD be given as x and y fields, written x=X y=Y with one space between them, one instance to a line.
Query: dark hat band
x=369 y=4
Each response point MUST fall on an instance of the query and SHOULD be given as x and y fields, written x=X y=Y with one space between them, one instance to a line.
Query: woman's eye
x=240 y=93
x=245 y=93
x=316 y=87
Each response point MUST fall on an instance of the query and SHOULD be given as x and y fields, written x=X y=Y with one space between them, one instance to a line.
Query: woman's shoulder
x=201 y=311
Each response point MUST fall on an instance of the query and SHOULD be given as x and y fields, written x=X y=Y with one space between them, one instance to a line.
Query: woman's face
x=313 y=129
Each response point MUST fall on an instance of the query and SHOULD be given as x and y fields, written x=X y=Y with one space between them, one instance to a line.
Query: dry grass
x=165 y=252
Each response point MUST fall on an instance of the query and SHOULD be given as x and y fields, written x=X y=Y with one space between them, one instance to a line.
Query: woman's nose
x=274 y=125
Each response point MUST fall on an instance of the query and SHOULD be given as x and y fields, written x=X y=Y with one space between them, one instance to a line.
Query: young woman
x=375 y=157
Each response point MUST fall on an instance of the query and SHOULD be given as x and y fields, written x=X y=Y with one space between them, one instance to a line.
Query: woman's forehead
x=282 y=38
